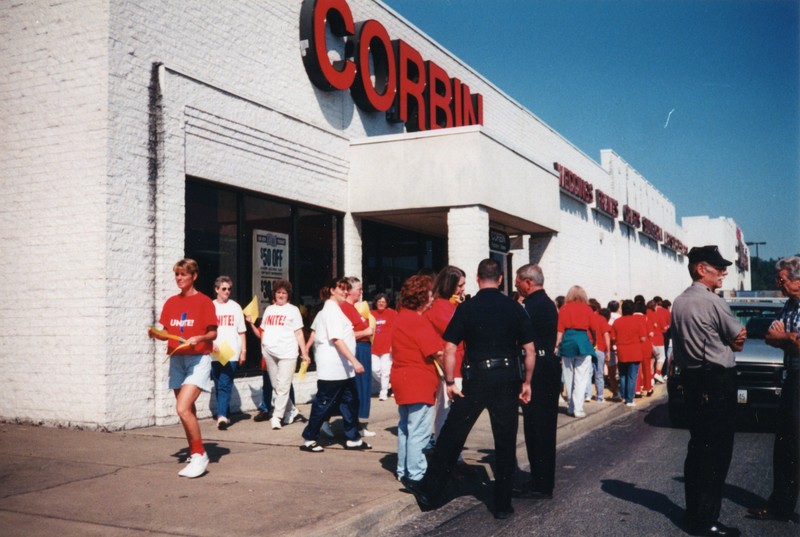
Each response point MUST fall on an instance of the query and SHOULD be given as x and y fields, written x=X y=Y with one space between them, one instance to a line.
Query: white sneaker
x=658 y=378
x=292 y=415
x=630 y=405
x=326 y=429
x=366 y=433
x=276 y=423
x=196 y=466
x=580 y=414
x=383 y=396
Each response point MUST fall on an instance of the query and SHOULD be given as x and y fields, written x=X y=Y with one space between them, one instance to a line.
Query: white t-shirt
x=279 y=324
x=331 y=323
x=230 y=324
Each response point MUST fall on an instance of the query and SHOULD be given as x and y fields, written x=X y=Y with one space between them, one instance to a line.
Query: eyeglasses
x=718 y=269
x=224 y=288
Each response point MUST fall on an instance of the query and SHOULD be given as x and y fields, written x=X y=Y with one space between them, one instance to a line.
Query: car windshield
x=757 y=327
x=756 y=317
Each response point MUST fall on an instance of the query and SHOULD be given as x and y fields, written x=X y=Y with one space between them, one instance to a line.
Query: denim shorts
x=192 y=369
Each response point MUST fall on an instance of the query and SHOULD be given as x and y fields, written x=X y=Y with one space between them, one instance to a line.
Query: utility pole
x=756 y=245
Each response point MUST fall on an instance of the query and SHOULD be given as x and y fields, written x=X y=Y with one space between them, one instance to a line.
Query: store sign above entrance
x=574 y=185
x=499 y=241
x=400 y=83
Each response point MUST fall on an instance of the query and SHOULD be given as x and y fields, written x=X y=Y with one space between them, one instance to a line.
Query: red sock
x=196 y=447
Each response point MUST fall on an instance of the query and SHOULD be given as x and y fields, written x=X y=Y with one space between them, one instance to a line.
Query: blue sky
x=607 y=74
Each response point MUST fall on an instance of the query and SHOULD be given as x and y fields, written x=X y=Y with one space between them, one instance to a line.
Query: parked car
x=759 y=367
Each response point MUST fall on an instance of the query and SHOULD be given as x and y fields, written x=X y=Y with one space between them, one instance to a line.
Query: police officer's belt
x=492 y=363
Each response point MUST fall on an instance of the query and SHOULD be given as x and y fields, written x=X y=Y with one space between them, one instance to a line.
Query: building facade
x=265 y=141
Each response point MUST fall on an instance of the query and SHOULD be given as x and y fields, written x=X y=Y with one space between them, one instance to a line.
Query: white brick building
x=139 y=132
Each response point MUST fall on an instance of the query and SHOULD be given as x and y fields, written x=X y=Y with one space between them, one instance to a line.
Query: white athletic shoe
x=276 y=423
x=196 y=466
x=658 y=378
x=292 y=416
x=366 y=433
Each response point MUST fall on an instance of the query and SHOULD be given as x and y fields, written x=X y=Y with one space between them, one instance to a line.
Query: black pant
x=540 y=420
x=711 y=404
x=498 y=391
x=786 y=453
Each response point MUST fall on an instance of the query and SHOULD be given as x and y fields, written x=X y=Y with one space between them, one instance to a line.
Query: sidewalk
x=80 y=483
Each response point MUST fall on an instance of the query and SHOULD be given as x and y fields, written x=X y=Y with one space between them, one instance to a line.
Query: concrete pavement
x=70 y=482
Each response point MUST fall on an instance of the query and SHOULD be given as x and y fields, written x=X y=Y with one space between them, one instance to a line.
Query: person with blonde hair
x=577 y=325
x=190 y=322
x=231 y=330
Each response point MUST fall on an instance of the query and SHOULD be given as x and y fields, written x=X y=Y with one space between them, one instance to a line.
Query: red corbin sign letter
x=382 y=75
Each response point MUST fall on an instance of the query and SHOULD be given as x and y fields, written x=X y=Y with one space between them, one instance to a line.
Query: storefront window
x=392 y=255
x=220 y=225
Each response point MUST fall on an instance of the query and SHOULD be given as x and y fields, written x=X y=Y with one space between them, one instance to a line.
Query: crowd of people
x=445 y=359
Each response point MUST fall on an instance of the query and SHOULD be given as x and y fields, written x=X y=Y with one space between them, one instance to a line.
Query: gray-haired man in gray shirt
x=705 y=333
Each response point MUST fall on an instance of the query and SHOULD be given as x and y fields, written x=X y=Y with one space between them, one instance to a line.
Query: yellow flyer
x=225 y=353
x=251 y=309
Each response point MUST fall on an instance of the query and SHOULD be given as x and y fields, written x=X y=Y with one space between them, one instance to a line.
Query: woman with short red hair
x=415 y=345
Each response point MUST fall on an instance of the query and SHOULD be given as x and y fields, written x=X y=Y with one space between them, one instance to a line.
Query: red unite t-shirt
x=414 y=378
x=626 y=332
x=439 y=315
x=359 y=323
x=384 y=323
x=188 y=316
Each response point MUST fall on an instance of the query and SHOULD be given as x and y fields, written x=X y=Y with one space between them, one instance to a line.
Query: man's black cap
x=708 y=254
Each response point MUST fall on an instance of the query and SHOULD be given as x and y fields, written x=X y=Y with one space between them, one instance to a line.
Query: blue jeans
x=222 y=375
x=266 y=393
x=413 y=433
x=628 y=371
x=599 y=365
x=364 y=381
x=340 y=394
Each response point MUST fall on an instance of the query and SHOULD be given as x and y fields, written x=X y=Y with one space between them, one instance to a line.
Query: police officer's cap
x=708 y=254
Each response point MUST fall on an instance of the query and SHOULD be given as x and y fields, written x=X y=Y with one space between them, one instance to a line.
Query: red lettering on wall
x=406 y=87
x=314 y=16
x=574 y=185
x=652 y=230
x=438 y=94
x=607 y=204
x=373 y=40
x=631 y=217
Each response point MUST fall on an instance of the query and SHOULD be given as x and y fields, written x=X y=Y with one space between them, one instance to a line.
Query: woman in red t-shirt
x=577 y=326
x=415 y=346
x=448 y=293
x=382 y=344
x=190 y=319
x=628 y=334
x=644 y=382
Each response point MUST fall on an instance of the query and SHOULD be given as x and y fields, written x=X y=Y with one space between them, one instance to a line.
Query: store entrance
x=391 y=255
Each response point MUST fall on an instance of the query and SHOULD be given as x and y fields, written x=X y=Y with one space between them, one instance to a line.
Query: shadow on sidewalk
x=215 y=452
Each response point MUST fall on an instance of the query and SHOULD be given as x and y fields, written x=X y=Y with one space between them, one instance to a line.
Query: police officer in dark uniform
x=493 y=327
x=540 y=416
